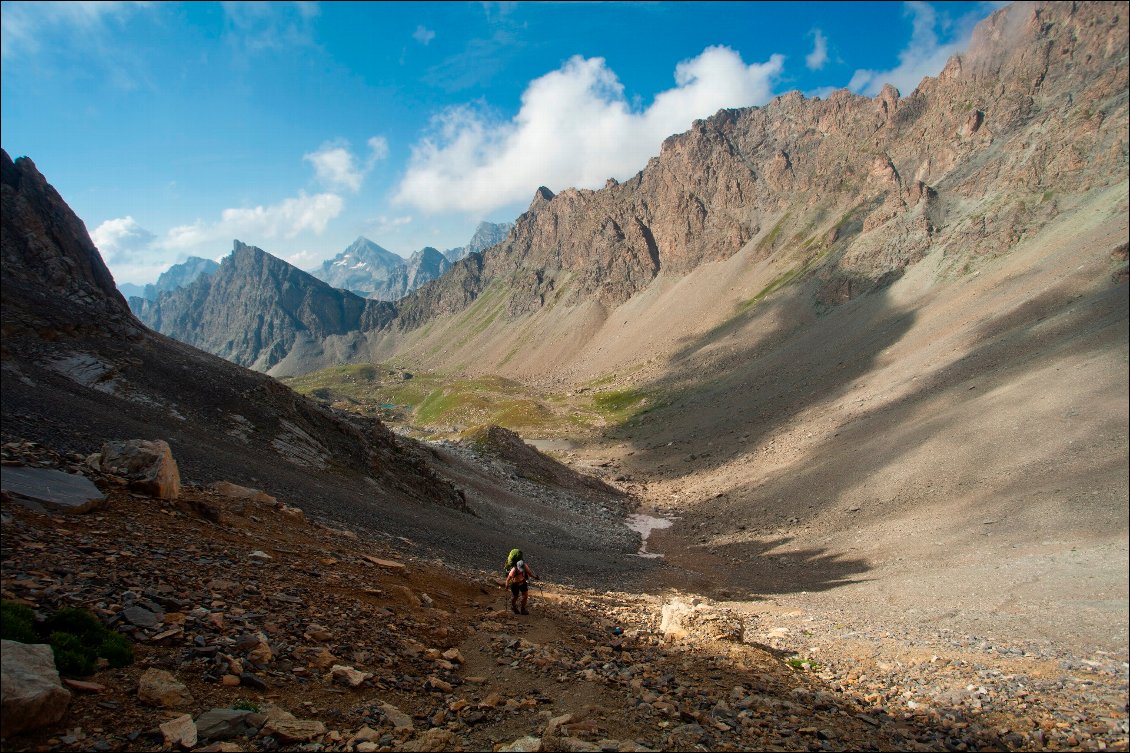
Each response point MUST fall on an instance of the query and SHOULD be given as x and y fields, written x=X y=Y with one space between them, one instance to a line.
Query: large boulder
x=147 y=463
x=221 y=724
x=31 y=693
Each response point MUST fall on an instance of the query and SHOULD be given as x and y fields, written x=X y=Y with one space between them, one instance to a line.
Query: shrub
x=78 y=622
x=77 y=638
x=72 y=658
x=116 y=649
x=17 y=622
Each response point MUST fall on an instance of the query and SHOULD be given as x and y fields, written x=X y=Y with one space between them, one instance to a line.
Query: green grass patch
x=618 y=406
x=767 y=242
x=797 y=662
x=431 y=401
x=522 y=413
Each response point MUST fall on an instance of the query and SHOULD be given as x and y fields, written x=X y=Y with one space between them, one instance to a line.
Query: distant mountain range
x=371 y=271
x=364 y=268
x=256 y=307
x=176 y=276
x=79 y=368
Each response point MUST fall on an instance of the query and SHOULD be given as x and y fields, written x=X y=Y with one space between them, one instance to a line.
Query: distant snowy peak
x=371 y=271
x=362 y=268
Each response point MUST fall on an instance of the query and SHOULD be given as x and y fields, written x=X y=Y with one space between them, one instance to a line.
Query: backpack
x=512 y=559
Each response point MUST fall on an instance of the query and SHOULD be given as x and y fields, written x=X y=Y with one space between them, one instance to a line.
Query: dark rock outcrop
x=55 y=283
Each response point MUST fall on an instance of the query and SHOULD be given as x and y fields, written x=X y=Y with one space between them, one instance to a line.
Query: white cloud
x=286 y=219
x=423 y=35
x=258 y=27
x=386 y=224
x=378 y=149
x=925 y=55
x=24 y=23
x=304 y=259
x=122 y=240
x=575 y=128
x=816 y=59
x=335 y=168
x=338 y=170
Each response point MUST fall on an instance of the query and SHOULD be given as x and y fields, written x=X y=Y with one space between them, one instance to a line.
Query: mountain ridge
x=842 y=195
x=839 y=195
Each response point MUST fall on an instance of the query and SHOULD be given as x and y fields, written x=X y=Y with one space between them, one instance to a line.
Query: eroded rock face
x=31 y=693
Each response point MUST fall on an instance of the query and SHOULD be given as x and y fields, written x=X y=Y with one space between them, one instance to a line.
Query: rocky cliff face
x=853 y=189
x=79 y=368
x=843 y=194
x=55 y=283
x=254 y=307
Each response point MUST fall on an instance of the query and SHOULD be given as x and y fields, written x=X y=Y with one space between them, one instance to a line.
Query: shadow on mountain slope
x=837 y=424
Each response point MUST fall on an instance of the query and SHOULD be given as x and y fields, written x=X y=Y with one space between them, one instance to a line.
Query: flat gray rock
x=51 y=490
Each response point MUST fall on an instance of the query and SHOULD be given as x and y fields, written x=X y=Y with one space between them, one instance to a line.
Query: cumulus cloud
x=335 y=168
x=423 y=35
x=122 y=240
x=338 y=170
x=286 y=219
x=925 y=55
x=575 y=128
x=816 y=59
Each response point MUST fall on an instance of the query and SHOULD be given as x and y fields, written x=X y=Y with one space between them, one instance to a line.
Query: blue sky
x=173 y=128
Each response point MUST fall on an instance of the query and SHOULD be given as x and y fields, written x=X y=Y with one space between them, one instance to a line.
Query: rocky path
x=258 y=629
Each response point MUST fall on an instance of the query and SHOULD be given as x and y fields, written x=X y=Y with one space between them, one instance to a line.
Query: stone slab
x=51 y=490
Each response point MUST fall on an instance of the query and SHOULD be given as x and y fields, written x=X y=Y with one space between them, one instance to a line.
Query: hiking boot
x=514 y=609
x=525 y=611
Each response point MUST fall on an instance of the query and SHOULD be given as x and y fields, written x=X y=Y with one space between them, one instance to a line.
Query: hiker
x=516 y=580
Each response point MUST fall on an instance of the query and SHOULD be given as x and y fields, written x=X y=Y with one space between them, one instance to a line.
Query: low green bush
x=17 y=622
x=76 y=636
x=72 y=658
